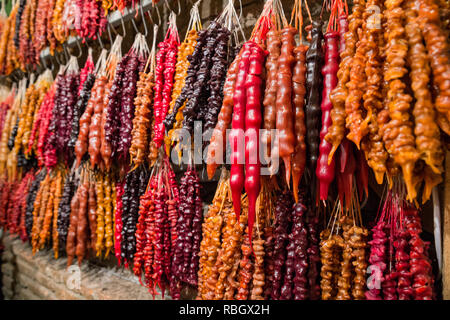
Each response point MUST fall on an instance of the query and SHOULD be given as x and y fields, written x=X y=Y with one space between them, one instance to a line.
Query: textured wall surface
x=42 y=277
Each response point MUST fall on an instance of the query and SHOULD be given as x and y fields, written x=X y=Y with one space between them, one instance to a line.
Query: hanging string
x=263 y=24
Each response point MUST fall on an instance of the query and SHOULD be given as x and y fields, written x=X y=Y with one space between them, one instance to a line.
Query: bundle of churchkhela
x=298 y=123
x=382 y=101
x=400 y=267
x=34 y=25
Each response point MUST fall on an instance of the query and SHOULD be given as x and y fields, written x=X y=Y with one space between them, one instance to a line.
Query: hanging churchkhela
x=85 y=170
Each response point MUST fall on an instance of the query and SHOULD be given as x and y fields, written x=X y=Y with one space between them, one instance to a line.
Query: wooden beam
x=446 y=232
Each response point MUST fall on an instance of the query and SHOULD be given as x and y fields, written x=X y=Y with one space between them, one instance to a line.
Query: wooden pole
x=446 y=232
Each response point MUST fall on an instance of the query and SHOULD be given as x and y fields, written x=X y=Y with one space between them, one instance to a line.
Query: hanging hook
x=116 y=32
x=167 y=5
x=100 y=40
x=109 y=34
x=143 y=19
x=159 y=16
x=44 y=63
x=123 y=25
x=79 y=47
x=179 y=7
x=56 y=58
x=66 y=53
x=52 y=66
x=134 y=26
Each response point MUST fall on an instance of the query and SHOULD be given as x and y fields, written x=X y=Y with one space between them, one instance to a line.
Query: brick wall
x=25 y=277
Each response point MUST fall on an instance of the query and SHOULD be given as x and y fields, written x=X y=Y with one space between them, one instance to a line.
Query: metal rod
x=114 y=19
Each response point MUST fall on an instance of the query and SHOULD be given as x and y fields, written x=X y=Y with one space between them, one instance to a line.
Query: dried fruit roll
x=344 y=278
x=402 y=266
x=298 y=100
x=145 y=203
x=32 y=198
x=236 y=135
x=83 y=143
x=280 y=233
x=189 y=55
x=232 y=282
x=105 y=146
x=273 y=43
x=229 y=254
x=93 y=138
x=253 y=119
x=246 y=267
x=141 y=121
x=314 y=61
x=82 y=222
x=420 y=263
x=299 y=238
x=80 y=107
x=44 y=232
x=39 y=212
x=398 y=135
x=258 y=281
x=64 y=210
x=108 y=186
x=312 y=222
x=376 y=154
x=377 y=260
x=357 y=118
x=218 y=72
x=118 y=220
x=339 y=94
x=325 y=168
x=72 y=231
x=436 y=41
x=358 y=243
x=284 y=110
x=210 y=244
x=427 y=134
x=328 y=275
x=217 y=143
x=100 y=243
x=92 y=214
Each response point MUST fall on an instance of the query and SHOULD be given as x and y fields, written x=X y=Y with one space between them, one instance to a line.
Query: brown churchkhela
x=398 y=134
x=273 y=43
x=298 y=99
x=284 y=112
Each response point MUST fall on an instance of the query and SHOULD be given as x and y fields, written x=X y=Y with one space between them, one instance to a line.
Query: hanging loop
x=100 y=41
x=109 y=34
x=143 y=20
x=134 y=26
x=159 y=16
x=80 y=51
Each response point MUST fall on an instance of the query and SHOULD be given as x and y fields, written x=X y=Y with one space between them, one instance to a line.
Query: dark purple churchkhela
x=112 y=124
x=313 y=113
x=283 y=210
x=80 y=107
x=190 y=80
x=185 y=257
x=135 y=184
x=19 y=14
x=217 y=77
x=12 y=137
x=128 y=91
x=312 y=223
x=31 y=197
x=299 y=237
x=70 y=186
x=65 y=107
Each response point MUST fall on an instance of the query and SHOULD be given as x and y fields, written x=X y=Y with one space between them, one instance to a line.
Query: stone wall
x=37 y=277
